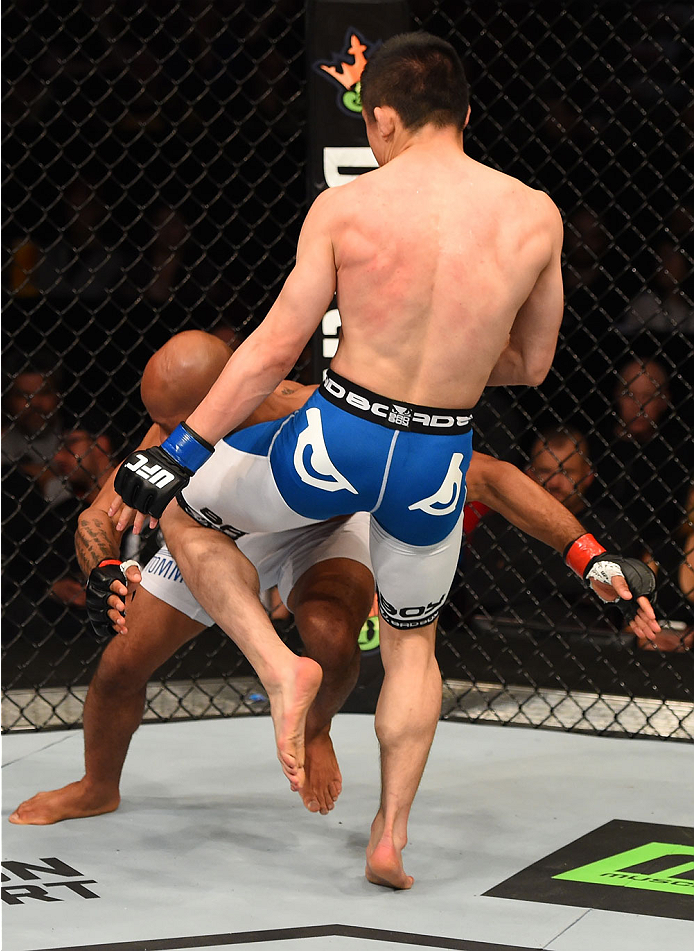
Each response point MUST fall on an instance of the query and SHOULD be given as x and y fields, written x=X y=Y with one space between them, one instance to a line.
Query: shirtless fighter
x=323 y=572
x=448 y=279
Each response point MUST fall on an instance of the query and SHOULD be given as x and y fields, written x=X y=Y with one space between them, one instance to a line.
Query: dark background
x=195 y=113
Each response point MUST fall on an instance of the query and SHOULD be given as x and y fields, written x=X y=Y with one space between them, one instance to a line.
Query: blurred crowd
x=157 y=183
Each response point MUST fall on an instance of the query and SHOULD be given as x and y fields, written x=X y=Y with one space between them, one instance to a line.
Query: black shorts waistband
x=380 y=409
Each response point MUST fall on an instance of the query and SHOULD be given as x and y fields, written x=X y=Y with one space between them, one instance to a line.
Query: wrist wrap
x=581 y=552
x=123 y=565
x=187 y=448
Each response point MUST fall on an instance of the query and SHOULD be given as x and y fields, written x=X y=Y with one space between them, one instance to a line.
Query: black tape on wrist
x=203 y=442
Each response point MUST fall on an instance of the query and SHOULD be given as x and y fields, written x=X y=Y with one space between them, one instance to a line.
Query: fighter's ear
x=385 y=117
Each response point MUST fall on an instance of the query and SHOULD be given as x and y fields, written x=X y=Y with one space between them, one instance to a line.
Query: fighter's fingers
x=141 y=522
x=647 y=608
x=133 y=576
x=645 y=624
x=125 y=518
x=114 y=506
x=638 y=627
x=118 y=588
x=115 y=603
x=117 y=620
x=621 y=587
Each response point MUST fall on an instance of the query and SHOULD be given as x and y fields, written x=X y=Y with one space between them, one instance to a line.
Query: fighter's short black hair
x=421 y=77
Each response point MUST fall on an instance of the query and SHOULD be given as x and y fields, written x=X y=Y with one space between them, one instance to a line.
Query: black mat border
x=282 y=934
x=535 y=883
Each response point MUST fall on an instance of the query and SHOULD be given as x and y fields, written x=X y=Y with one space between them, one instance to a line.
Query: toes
x=334 y=789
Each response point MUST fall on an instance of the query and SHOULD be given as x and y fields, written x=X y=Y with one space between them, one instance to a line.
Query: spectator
x=515 y=577
x=173 y=270
x=666 y=307
x=84 y=462
x=592 y=301
x=80 y=263
x=642 y=471
x=585 y=245
x=165 y=254
x=31 y=421
x=42 y=587
x=497 y=421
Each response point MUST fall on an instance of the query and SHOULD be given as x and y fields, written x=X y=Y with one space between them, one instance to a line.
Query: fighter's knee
x=329 y=630
x=187 y=543
x=119 y=674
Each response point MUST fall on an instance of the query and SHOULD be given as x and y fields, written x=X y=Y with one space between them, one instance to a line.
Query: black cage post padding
x=158 y=161
x=341 y=36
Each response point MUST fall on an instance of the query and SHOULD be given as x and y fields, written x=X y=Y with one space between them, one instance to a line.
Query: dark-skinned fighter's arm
x=530 y=508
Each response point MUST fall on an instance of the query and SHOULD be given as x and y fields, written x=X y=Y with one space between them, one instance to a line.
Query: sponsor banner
x=341 y=35
x=636 y=867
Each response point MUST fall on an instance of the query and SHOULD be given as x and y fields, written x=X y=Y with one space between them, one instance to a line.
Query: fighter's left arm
x=525 y=504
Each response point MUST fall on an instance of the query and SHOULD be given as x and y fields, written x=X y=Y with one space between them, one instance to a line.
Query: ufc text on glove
x=150 y=478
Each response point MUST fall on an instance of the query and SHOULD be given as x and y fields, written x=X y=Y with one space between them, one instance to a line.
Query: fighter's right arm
x=525 y=504
x=521 y=501
x=533 y=338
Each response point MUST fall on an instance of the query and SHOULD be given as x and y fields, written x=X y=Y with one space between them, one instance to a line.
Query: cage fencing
x=155 y=181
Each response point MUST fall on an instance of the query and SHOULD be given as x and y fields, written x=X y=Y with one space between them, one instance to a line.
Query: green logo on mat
x=656 y=866
x=368 y=636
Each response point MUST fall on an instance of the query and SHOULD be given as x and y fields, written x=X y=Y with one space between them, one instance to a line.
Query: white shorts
x=280 y=558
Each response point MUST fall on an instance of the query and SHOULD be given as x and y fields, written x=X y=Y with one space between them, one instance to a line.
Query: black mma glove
x=150 y=478
x=591 y=561
x=99 y=591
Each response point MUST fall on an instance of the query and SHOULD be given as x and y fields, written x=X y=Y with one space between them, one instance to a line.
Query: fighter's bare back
x=435 y=256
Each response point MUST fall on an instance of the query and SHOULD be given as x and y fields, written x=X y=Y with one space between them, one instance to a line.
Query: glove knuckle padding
x=148 y=480
x=639 y=577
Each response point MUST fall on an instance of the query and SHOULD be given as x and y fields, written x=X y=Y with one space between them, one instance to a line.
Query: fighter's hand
x=147 y=481
x=106 y=592
x=150 y=478
x=124 y=516
x=625 y=581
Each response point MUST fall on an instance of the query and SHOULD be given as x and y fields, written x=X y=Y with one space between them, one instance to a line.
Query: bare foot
x=289 y=705
x=323 y=778
x=74 y=801
x=384 y=866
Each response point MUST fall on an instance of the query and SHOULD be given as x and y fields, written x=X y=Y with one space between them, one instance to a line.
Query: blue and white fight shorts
x=349 y=450
x=280 y=558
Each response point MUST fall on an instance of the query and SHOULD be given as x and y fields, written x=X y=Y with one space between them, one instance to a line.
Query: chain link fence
x=154 y=181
